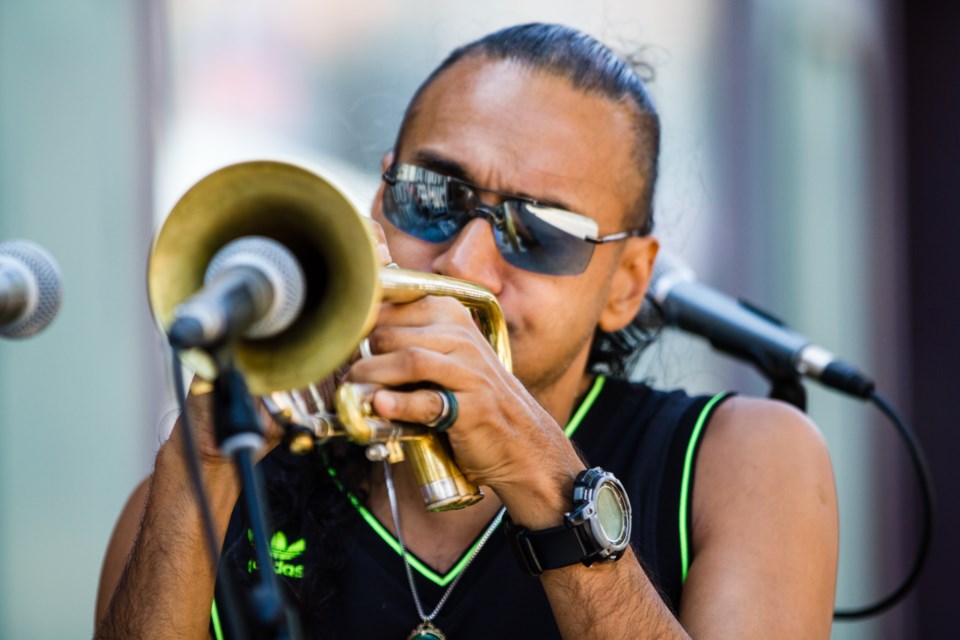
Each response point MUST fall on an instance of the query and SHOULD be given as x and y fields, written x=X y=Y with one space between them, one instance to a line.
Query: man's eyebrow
x=433 y=161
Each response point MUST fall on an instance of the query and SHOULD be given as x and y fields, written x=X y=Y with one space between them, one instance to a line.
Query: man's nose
x=473 y=256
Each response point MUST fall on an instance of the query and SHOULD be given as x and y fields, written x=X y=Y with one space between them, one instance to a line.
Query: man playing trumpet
x=525 y=163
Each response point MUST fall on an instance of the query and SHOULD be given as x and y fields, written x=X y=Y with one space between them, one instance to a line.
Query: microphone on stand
x=739 y=330
x=253 y=287
x=736 y=328
x=30 y=288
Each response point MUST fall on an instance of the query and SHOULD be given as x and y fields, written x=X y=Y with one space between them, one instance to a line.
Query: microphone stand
x=240 y=436
x=787 y=388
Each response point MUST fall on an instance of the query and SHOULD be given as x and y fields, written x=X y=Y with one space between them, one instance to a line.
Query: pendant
x=426 y=630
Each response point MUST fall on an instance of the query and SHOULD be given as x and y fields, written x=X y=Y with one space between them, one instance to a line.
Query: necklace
x=426 y=630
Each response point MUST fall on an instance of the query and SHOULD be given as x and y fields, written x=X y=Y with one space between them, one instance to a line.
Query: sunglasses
x=529 y=235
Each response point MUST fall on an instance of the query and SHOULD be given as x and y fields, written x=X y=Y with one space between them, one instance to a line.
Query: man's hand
x=500 y=427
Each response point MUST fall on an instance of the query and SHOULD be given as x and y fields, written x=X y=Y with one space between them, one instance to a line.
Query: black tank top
x=647 y=438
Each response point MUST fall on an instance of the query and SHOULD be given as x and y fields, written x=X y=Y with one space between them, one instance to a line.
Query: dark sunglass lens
x=421 y=207
x=461 y=200
x=527 y=241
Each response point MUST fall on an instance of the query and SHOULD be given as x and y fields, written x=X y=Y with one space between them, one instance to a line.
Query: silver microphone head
x=281 y=268
x=36 y=270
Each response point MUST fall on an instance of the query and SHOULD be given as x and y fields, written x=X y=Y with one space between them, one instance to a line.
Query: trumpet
x=298 y=207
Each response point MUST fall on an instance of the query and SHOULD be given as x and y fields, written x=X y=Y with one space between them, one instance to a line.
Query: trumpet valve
x=301 y=441
x=391 y=451
x=306 y=422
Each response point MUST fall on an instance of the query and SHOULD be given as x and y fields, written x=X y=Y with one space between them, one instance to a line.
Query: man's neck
x=563 y=397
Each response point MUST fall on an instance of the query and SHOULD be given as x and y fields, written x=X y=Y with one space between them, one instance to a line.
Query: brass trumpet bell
x=309 y=215
x=312 y=218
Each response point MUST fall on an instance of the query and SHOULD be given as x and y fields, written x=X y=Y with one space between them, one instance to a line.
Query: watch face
x=610 y=512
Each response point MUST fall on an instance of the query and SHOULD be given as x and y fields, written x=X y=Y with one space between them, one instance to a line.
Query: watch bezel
x=586 y=514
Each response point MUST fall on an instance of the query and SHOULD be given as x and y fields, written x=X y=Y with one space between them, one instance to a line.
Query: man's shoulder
x=763 y=448
x=764 y=505
x=758 y=426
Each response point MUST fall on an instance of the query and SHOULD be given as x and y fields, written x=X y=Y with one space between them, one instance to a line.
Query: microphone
x=742 y=331
x=30 y=288
x=253 y=287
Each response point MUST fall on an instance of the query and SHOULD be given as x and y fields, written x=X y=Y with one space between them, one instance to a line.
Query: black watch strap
x=545 y=549
x=582 y=538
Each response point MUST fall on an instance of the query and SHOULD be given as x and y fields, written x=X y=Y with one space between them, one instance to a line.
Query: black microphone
x=30 y=288
x=253 y=287
x=742 y=331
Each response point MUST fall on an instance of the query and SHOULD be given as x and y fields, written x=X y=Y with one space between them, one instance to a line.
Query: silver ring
x=365 y=348
x=448 y=413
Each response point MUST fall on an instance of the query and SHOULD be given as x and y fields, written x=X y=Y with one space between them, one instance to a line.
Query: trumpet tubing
x=308 y=214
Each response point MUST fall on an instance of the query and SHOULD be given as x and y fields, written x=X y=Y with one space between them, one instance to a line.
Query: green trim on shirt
x=686 y=481
x=416 y=563
x=217 y=629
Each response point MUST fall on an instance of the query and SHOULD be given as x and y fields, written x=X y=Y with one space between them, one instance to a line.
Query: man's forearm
x=166 y=587
x=609 y=600
x=605 y=600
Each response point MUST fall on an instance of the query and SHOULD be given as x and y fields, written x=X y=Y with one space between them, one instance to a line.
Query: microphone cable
x=655 y=317
x=925 y=482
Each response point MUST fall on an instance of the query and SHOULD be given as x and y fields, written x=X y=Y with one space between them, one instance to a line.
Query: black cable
x=922 y=471
x=224 y=592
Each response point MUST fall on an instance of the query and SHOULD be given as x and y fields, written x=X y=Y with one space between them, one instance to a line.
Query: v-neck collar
x=442 y=580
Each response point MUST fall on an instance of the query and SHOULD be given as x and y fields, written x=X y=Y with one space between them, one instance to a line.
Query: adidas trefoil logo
x=282 y=552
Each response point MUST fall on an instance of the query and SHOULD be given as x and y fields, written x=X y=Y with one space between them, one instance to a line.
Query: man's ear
x=629 y=284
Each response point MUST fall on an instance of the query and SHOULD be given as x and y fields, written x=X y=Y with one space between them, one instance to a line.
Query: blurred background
x=809 y=165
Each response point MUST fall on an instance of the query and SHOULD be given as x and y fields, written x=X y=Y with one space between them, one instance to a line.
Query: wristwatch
x=596 y=529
